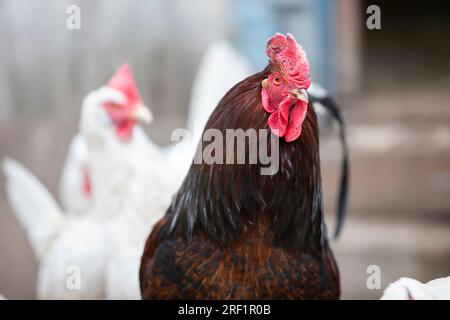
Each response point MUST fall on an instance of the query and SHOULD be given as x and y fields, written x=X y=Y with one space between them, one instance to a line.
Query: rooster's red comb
x=284 y=52
x=123 y=81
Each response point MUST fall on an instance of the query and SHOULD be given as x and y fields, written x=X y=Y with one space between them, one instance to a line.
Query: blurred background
x=393 y=85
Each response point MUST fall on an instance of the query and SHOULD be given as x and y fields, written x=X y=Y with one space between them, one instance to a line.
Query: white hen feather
x=74 y=198
x=411 y=289
x=27 y=195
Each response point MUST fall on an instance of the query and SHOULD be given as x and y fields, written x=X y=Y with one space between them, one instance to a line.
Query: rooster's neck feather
x=221 y=201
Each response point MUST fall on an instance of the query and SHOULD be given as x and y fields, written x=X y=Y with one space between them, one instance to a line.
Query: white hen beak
x=142 y=113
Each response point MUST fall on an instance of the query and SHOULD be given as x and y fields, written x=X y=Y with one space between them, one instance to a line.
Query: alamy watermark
x=73 y=281
x=240 y=147
x=73 y=21
x=374 y=279
x=373 y=21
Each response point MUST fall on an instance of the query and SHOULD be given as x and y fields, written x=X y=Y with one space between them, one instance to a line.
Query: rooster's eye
x=276 y=80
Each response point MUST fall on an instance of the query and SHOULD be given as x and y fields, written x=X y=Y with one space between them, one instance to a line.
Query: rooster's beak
x=300 y=94
x=142 y=113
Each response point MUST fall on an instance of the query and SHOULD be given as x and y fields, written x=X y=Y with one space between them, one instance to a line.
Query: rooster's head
x=284 y=90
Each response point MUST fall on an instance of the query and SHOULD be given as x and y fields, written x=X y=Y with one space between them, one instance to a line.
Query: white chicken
x=71 y=246
x=411 y=289
x=75 y=184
